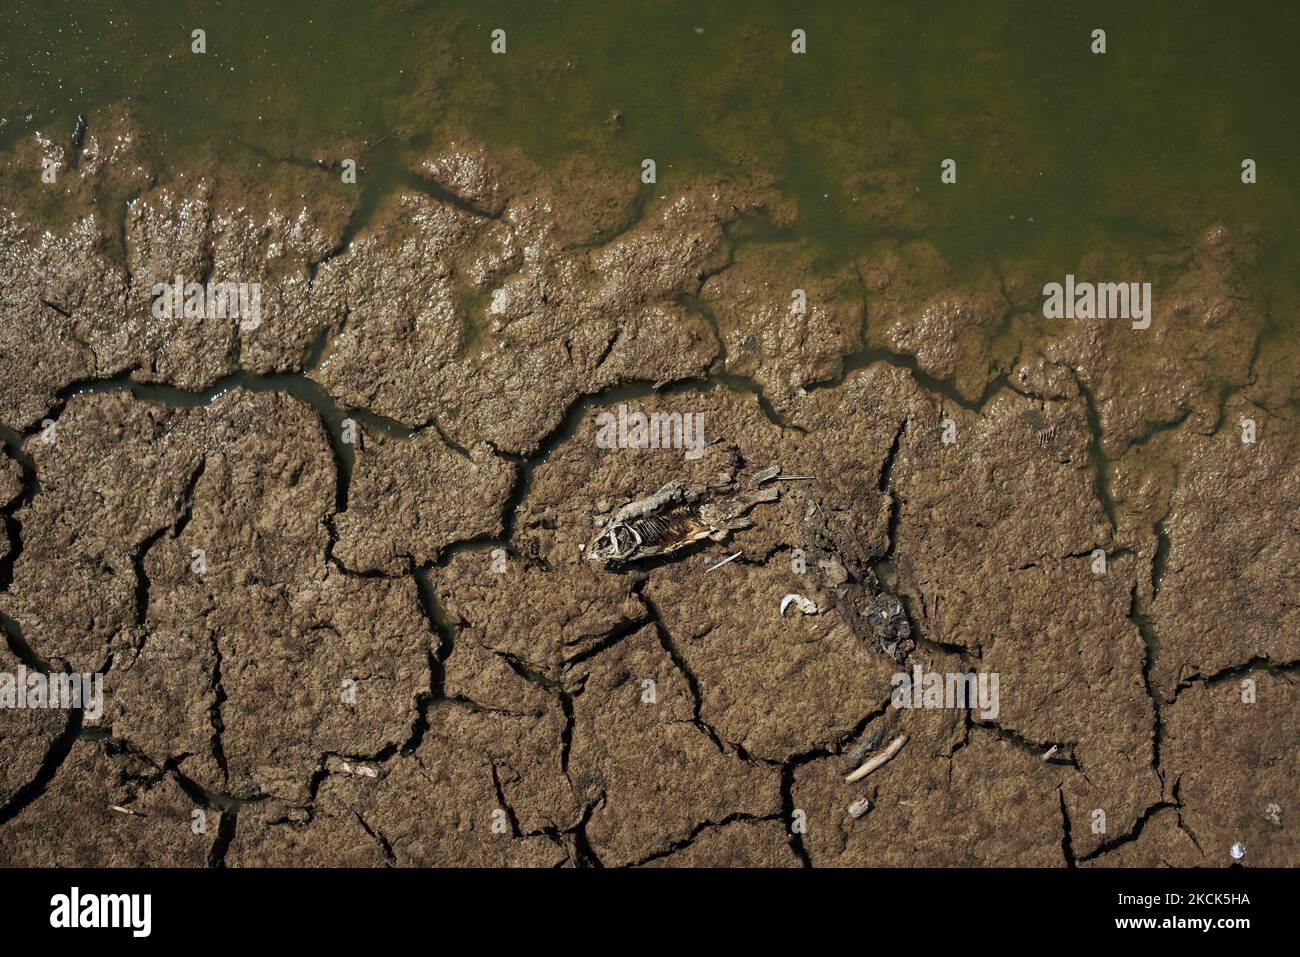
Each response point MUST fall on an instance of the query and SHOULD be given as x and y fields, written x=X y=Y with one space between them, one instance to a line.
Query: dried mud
x=395 y=652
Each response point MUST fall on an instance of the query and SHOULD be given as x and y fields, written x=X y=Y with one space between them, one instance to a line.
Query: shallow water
x=1058 y=150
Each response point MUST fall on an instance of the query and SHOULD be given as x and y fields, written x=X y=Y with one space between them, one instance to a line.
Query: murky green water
x=1058 y=149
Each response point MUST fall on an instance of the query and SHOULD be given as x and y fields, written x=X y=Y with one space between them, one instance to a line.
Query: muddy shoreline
x=395 y=652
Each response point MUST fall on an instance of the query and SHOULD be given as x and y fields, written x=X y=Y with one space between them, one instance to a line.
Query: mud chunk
x=1164 y=841
x=997 y=532
x=276 y=245
x=1080 y=682
x=465 y=171
x=26 y=736
x=546 y=329
x=464 y=821
x=265 y=657
x=409 y=499
x=215 y=242
x=1200 y=341
x=81 y=293
x=483 y=785
x=1225 y=760
x=541 y=617
x=523 y=736
x=111 y=482
x=658 y=344
x=741 y=843
x=169 y=234
x=668 y=255
x=660 y=774
x=61 y=294
x=851 y=441
x=403 y=329
x=163 y=696
x=158 y=831
x=995 y=500
x=332 y=834
x=1223 y=587
x=11 y=481
x=11 y=490
x=782 y=342
x=998 y=805
x=486 y=784
x=335 y=666
x=920 y=305
x=774 y=686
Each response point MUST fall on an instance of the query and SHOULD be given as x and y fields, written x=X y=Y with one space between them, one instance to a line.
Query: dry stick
x=884 y=756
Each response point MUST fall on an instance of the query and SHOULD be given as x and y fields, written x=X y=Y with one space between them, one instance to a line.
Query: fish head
x=617 y=542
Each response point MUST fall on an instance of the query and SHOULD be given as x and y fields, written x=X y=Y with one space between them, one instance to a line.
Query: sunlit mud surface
x=333 y=562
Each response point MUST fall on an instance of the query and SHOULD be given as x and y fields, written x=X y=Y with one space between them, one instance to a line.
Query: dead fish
x=678 y=515
x=888 y=621
x=1042 y=431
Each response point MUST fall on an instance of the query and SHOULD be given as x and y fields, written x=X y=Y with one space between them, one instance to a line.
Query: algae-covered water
x=1058 y=148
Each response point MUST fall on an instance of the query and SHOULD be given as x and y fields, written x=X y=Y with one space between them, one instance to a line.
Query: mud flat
x=332 y=565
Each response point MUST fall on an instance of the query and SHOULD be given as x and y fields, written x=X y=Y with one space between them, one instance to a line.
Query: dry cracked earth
x=469 y=329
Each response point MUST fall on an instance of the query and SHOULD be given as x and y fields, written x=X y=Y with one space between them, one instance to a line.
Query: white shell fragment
x=859 y=808
x=805 y=605
x=880 y=759
x=339 y=766
x=1238 y=851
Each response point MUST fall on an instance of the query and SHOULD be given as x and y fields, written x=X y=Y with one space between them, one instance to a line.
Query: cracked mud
x=332 y=568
